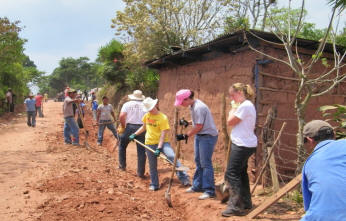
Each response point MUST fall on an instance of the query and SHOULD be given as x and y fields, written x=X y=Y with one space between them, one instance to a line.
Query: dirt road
x=43 y=179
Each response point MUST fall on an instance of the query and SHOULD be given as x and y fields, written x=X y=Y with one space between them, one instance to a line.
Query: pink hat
x=181 y=95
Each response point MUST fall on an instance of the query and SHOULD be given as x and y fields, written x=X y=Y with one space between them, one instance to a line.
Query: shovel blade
x=168 y=199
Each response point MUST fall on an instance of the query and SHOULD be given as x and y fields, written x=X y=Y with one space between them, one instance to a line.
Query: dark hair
x=192 y=95
x=104 y=97
x=325 y=133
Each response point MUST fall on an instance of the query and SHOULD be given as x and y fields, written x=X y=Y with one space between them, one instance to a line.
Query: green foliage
x=113 y=50
x=233 y=24
x=337 y=114
x=16 y=69
x=76 y=73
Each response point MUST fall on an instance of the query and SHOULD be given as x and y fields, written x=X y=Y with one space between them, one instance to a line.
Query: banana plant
x=336 y=113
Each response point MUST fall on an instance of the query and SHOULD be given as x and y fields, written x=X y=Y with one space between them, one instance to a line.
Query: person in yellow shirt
x=156 y=125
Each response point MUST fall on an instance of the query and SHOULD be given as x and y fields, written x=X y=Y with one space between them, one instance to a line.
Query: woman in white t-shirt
x=242 y=119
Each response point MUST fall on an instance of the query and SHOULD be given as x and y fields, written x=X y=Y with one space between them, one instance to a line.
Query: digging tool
x=86 y=131
x=162 y=156
x=221 y=190
x=168 y=191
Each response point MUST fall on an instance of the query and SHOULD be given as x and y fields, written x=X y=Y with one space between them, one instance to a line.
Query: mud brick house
x=211 y=68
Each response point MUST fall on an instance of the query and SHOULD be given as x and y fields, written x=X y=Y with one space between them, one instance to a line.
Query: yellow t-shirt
x=155 y=124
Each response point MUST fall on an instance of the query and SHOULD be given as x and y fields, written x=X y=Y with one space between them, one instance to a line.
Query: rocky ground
x=43 y=179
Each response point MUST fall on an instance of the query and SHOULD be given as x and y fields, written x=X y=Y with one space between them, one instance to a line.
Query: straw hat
x=149 y=104
x=136 y=95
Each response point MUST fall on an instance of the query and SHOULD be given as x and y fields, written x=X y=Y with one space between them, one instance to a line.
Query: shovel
x=221 y=190
x=168 y=191
x=86 y=131
x=162 y=156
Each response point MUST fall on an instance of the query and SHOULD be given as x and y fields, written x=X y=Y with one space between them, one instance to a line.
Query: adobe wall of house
x=213 y=76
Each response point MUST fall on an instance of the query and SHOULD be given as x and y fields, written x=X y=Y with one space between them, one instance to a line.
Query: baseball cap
x=70 y=90
x=312 y=128
x=181 y=95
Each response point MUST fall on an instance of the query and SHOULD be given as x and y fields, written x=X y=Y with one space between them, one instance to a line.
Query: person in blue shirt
x=30 y=104
x=94 y=106
x=324 y=174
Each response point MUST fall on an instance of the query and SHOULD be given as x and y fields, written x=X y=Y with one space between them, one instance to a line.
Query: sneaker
x=76 y=144
x=190 y=190
x=152 y=188
x=68 y=143
x=99 y=144
x=122 y=168
x=205 y=196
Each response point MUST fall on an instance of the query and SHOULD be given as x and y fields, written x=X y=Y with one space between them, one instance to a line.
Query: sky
x=75 y=28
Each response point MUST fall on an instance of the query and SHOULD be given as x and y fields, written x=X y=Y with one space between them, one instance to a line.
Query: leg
x=245 y=186
x=33 y=119
x=233 y=176
x=74 y=130
x=113 y=130
x=124 y=141
x=182 y=175
x=100 y=133
x=154 y=177
x=207 y=145
x=67 y=133
x=40 y=111
x=28 y=119
x=141 y=156
x=197 y=177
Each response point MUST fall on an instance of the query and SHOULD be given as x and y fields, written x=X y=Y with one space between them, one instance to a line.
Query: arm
x=98 y=115
x=122 y=119
x=162 y=139
x=141 y=129
x=113 y=115
x=197 y=128
x=232 y=120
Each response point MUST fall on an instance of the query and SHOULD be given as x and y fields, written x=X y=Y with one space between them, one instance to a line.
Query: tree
x=310 y=85
x=153 y=26
x=16 y=69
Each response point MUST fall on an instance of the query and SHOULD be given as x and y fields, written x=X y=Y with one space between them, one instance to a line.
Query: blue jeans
x=39 y=111
x=168 y=151
x=203 y=180
x=124 y=141
x=102 y=126
x=71 y=127
x=31 y=120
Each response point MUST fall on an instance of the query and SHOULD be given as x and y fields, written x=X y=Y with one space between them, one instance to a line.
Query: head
x=240 y=92
x=72 y=93
x=316 y=131
x=150 y=105
x=38 y=93
x=137 y=95
x=31 y=95
x=184 y=97
x=10 y=89
x=105 y=100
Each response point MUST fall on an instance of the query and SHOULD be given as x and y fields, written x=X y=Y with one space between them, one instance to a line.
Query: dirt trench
x=43 y=179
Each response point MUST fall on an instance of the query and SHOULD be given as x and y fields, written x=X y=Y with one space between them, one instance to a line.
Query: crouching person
x=156 y=125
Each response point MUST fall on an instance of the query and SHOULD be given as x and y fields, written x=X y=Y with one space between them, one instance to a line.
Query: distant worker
x=39 y=105
x=70 y=125
x=45 y=97
x=156 y=125
x=206 y=134
x=30 y=105
x=66 y=91
x=85 y=95
x=105 y=113
x=9 y=100
x=131 y=115
x=94 y=106
x=324 y=174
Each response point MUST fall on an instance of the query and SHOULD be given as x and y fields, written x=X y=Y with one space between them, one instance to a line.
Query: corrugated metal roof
x=225 y=40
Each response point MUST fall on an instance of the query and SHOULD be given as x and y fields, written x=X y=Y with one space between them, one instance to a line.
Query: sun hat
x=181 y=95
x=312 y=128
x=136 y=95
x=70 y=90
x=149 y=104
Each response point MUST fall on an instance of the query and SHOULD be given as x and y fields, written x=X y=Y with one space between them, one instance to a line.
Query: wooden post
x=224 y=124
x=269 y=155
x=273 y=171
x=275 y=197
